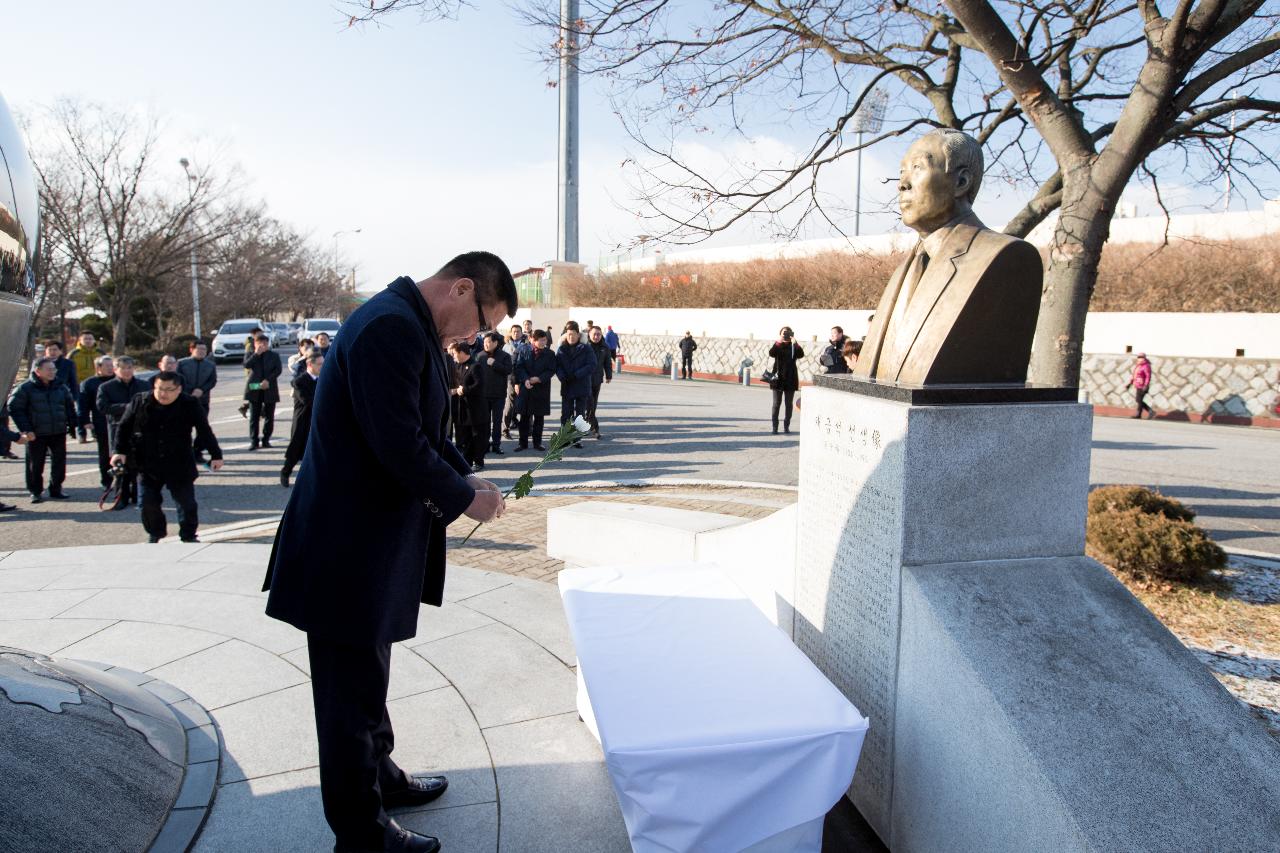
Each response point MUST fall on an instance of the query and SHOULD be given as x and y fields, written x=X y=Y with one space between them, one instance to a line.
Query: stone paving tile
x=230 y=672
x=233 y=615
x=277 y=813
x=271 y=734
x=46 y=636
x=92 y=555
x=532 y=609
x=462 y=585
x=435 y=623
x=30 y=578
x=230 y=552
x=410 y=674
x=240 y=578
x=555 y=792
x=46 y=605
x=504 y=676
x=142 y=646
x=130 y=575
x=464 y=829
x=436 y=734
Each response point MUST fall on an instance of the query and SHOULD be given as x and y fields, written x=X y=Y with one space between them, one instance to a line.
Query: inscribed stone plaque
x=848 y=566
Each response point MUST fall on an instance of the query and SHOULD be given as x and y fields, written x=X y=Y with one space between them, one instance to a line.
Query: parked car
x=314 y=326
x=295 y=332
x=279 y=333
x=229 y=341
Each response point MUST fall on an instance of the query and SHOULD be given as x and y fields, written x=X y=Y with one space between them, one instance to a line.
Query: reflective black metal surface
x=19 y=239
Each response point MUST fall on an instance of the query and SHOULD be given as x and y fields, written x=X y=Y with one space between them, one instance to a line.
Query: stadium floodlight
x=869 y=118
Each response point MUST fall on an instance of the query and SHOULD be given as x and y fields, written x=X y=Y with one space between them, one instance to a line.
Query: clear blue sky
x=431 y=138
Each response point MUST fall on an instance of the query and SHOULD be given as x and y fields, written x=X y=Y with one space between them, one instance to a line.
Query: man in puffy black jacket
x=154 y=438
x=43 y=409
x=603 y=374
x=687 y=346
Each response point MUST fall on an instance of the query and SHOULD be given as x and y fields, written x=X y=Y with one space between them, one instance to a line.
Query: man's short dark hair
x=306 y=342
x=314 y=357
x=493 y=279
x=261 y=337
x=199 y=343
x=493 y=336
x=57 y=344
x=125 y=361
x=169 y=376
x=538 y=334
x=571 y=326
x=838 y=329
x=41 y=362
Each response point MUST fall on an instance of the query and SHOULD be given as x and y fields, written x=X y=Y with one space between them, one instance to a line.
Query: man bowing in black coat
x=362 y=540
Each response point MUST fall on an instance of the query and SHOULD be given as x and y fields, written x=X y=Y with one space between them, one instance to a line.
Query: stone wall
x=1223 y=389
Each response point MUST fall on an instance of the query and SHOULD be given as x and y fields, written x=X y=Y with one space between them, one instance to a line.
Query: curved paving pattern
x=484 y=693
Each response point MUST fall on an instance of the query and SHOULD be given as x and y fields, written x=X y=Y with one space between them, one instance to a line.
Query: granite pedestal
x=1019 y=697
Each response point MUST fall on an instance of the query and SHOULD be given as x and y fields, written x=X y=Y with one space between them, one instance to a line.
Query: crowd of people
x=152 y=430
x=502 y=383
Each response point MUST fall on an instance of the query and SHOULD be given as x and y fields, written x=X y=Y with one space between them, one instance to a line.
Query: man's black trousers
x=297 y=444
x=104 y=455
x=686 y=366
x=591 y=406
x=265 y=412
x=349 y=687
x=55 y=447
x=530 y=423
x=495 y=422
x=183 y=494
x=571 y=407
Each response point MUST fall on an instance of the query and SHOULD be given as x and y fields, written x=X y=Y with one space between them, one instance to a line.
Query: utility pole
x=567 y=230
x=195 y=283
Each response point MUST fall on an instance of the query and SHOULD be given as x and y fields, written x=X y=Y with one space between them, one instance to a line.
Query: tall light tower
x=195 y=283
x=336 y=235
x=567 y=230
x=868 y=119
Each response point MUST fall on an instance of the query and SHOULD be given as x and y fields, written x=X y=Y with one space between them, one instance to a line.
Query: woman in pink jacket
x=1140 y=382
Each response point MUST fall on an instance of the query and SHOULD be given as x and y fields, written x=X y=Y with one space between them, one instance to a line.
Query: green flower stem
x=563 y=437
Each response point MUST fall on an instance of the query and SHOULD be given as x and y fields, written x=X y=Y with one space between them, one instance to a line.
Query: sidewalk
x=484 y=693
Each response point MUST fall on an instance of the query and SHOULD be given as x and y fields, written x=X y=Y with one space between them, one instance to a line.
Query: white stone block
x=595 y=533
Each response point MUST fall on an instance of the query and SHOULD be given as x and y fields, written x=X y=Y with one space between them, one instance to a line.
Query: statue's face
x=926 y=192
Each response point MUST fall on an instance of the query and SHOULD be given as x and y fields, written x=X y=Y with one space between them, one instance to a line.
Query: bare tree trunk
x=119 y=330
x=1084 y=224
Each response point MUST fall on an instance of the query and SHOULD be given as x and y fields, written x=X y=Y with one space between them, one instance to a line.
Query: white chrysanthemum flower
x=581 y=424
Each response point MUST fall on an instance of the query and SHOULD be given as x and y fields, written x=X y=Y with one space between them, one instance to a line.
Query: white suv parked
x=229 y=340
x=313 y=327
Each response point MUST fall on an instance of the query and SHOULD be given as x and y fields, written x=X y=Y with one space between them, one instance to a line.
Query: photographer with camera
x=785 y=378
x=154 y=439
x=114 y=397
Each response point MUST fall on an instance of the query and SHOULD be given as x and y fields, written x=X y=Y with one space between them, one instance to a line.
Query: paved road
x=656 y=428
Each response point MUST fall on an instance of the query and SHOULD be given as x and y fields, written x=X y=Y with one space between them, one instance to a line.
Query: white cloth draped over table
x=719 y=734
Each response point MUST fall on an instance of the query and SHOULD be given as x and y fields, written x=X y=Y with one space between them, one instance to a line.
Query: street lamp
x=868 y=119
x=336 y=235
x=195 y=284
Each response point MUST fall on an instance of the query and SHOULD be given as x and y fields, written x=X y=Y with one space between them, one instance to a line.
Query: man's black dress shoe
x=59 y=496
x=397 y=839
x=421 y=790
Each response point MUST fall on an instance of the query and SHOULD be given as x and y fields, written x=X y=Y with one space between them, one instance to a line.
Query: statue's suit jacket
x=971 y=318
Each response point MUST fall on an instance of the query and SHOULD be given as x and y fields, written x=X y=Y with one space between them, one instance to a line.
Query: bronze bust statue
x=962 y=308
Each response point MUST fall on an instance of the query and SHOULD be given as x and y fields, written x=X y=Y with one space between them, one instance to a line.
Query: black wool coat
x=263 y=366
x=304 y=395
x=161 y=448
x=362 y=541
x=535 y=400
x=493 y=377
x=785 y=356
